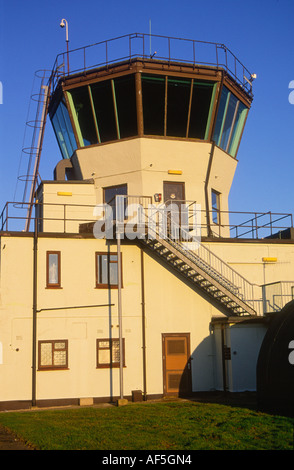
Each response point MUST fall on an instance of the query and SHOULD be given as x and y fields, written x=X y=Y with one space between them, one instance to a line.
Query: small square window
x=53 y=269
x=108 y=353
x=53 y=354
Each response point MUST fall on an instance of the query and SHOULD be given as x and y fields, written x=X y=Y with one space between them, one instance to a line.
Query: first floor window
x=106 y=270
x=53 y=269
x=108 y=352
x=53 y=354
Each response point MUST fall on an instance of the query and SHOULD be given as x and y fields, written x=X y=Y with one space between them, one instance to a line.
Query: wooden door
x=176 y=364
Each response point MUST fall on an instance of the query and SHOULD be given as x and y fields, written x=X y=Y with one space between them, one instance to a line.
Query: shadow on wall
x=207 y=368
x=200 y=366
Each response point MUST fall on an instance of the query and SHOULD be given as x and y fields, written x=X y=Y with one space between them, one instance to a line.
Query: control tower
x=164 y=124
x=146 y=120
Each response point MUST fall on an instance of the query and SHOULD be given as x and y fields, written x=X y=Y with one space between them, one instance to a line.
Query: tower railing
x=151 y=47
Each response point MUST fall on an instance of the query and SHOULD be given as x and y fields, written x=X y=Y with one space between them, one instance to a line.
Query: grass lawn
x=152 y=426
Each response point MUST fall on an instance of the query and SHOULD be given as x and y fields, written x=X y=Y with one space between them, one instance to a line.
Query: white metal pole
x=119 y=212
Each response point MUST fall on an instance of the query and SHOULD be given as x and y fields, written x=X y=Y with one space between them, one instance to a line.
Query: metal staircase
x=202 y=268
x=231 y=296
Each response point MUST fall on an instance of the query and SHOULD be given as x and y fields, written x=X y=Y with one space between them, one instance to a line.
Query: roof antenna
x=150 y=35
x=151 y=55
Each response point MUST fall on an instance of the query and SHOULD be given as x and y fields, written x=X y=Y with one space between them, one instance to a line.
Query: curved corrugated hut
x=275 y=366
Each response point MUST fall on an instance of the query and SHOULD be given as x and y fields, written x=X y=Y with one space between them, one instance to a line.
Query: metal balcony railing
x=257 y=225
x=151 y=47
x=253 y=225
x=276 y=295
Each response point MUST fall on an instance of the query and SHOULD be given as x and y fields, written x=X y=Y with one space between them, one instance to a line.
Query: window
x=106 y=270
x=63 y=130
x=112 y=191
x=202 y=100
x=103 y=94
x=153 y=92
x=125 y=94
x=109 y=198
x=230 y=122
x=178 y=95
x=215 y=202
x=108 y=354
x=53 y=354
x=83 y=113
x=53 y=269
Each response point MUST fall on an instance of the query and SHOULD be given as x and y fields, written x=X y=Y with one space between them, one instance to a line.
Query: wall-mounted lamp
x=175 y=172
x=63 y=24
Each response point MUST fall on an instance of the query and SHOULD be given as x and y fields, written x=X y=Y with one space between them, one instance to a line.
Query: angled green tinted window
x=104 y=108
x=153 y=92
x=125 y=95
x=84 y=114
x=200 y=109
x=178 y=96
x=238 y=128
x=220 y=116
x=230 y=122
x=63 y=130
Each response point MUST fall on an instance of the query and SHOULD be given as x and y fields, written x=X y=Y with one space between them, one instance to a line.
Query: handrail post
x=7 y=217
x=64 y=218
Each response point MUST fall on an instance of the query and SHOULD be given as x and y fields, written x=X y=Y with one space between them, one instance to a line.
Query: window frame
x=58 y=284
x=110 y=365
x=216 y=212
x=53 y=366
x=108 y=254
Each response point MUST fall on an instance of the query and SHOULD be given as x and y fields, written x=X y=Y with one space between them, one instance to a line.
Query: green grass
x=152 y=426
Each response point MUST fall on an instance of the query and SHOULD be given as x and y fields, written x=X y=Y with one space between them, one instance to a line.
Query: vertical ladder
x=36 y=145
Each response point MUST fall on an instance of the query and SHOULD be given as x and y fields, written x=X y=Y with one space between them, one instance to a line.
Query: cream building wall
x=246 y=257
x=144 y=164
x=171 y=306
x=16 y=317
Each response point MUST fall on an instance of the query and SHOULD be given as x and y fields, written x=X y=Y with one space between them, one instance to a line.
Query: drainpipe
x=223 y=359
x=143 y=326
x=206 y=188
x=34 y=333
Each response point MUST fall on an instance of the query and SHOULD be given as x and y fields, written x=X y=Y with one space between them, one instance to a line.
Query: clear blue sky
x=259 y=32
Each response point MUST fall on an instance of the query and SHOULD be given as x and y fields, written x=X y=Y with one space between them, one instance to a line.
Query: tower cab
x=155 y=127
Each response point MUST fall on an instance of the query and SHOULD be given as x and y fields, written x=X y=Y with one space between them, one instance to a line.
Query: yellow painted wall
x=171 y=306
